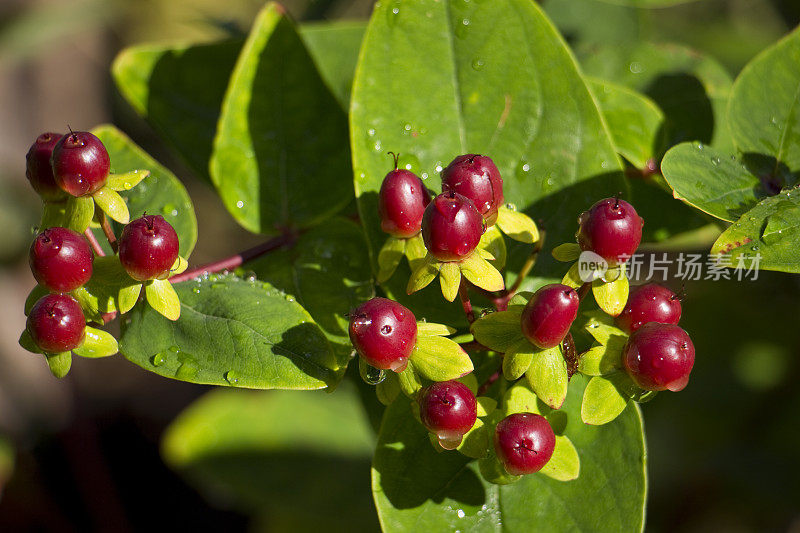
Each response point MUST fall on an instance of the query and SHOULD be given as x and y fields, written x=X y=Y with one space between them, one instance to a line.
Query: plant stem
x=98 y=250
x=238 y=259
x=464 y=296
x=501 y=301
x=584 y=289
x=488 y=383
x=109 y=232
x=473 y=346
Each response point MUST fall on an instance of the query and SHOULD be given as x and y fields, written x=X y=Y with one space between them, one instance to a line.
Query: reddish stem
x=109 y=232
x=488 y=383
x=465 y=302
x=584 y=289
x=98 y=250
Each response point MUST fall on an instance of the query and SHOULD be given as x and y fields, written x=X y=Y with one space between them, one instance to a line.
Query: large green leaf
x=327 y=271
x=280 y=151
x=233 y=332
x=436 y=79
x=764 y=112
x=179 y=90
x=648 y=3
x=592 y=21
x=334 y=47
x=417 y=488
x=161 y=193
x=301 y=459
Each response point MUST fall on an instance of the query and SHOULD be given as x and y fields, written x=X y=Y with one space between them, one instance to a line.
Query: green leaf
x=53 y=214
x=246 y=448
x=418 y=489
x=765 y=109
x=450 y=280
x=711 y=181
x=179 y=266
x=493 y=242
x=572 y=278
x=409 y=381
x=160 y=83
x=481 y=273
x=634 y=121
x=161 y=193
x=37 y=292
x=547 y=376
x=112 y=204
x=517 y=359
x=233 y=331
x=79 y=213
x=59 y=363
x=162 y=297
x=430 y=328
x=423 y=274
x=415 y=250
x=564 y=465
x=126 y=181
x=600 y=326
x=567 y=252
x=475 y=443
x=281 y=136
x=611 y=296
x=328 y=273
x=501 y=330
x=602 y=359
x=604 y=399
x=485 y=92
x=520 y=398
x=766 y=237
x=389 y=257
x=486 y=406
x=388 y=389
x=26 y=341
x=109 y=282
x=440 y=359
x=648 y=3
x=97 y=343
x=516 y=225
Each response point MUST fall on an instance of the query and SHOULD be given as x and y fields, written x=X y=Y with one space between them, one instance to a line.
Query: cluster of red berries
x=61 y=260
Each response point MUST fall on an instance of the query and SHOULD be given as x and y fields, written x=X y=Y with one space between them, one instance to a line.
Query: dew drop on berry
x=449 y=442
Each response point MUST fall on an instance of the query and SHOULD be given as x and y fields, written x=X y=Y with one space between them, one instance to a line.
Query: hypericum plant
x=491 y=402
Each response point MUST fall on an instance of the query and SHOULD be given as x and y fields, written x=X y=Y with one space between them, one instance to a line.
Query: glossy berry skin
x=384 y=333
x=659 y=357
x=524 y=443
x=649 y=303
x=612 y=229
x=401 y=203
x=148 y=247
x=448 y=408
x=451 y=227
x=60 y=259
x=80 y=163
x=56 y=323
x=549 y=314
x=477 y=178
x=38 y=169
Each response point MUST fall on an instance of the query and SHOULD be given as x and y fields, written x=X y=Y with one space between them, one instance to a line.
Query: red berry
x=549 y=314
x=659 y=357
x=61 y=259
x=649 y=303
x=80 y=163
x=449 y=410
x=384 y=333
x=524 y=443
x=148 y=247
x=38 y=168
x=401 y=203
x=451 y=227
x=477 y=178
x=56 y=323
x=612 y=229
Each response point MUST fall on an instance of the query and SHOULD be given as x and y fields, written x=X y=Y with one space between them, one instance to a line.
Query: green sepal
x=389 y=257
x=520 y=398
x=600 y=326
x=602 y=359
x=572 y=278
x=53 y=214
x=90 y=304
x=517 y=225
x=34 y=296
x=567 y=252
x=126 y=181
x=26 y=341
x=501 y=330
x=112 y=204
x=611 y=296
x=162 y=297
x=517 y=359
x=423 y=274
x=429 y=329
x=59 y=363
x=521 y=298
x=485 y=406
x=450 y=280
x=78 y=213
x=493 y=242
x=97 y=343
x=548 y=376
x=128 y=296
x=388 y=389
x=440 y=359
x=481 y=273
x=409 y=381
x=605 y=398
x=178 y=267
x=565 y=464
x=415 y=250
x=475 y=443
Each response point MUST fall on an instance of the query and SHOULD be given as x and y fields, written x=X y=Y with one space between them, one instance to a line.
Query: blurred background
x=83 y=453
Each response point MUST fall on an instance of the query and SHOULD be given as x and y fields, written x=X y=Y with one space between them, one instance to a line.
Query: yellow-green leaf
x=128 y=296
x=517 y=359
x=78 y=213
x=499 y=331
x=611 y=296
x=59 y=363
x=97 y=343
x=486 y=405
x=415 y=250
x=517 y=225
x=126 y=181
x=602 y=359
x=431 y=329
x=548 y=377
x=493 y=242
x=564 y=465
x=567 y=252
x=389 y=257
x=409 y=381
x=179 y=266
x=53 y=214
x=450 y=279
x=162 y=297
x=26 y=341
x=521 y=399
x=481 y=273
x=475 y=443
x=603 y=400
x=572 y=278
x=600 y=326
x=112 y=204
x=440 y=359
x=421 y=277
